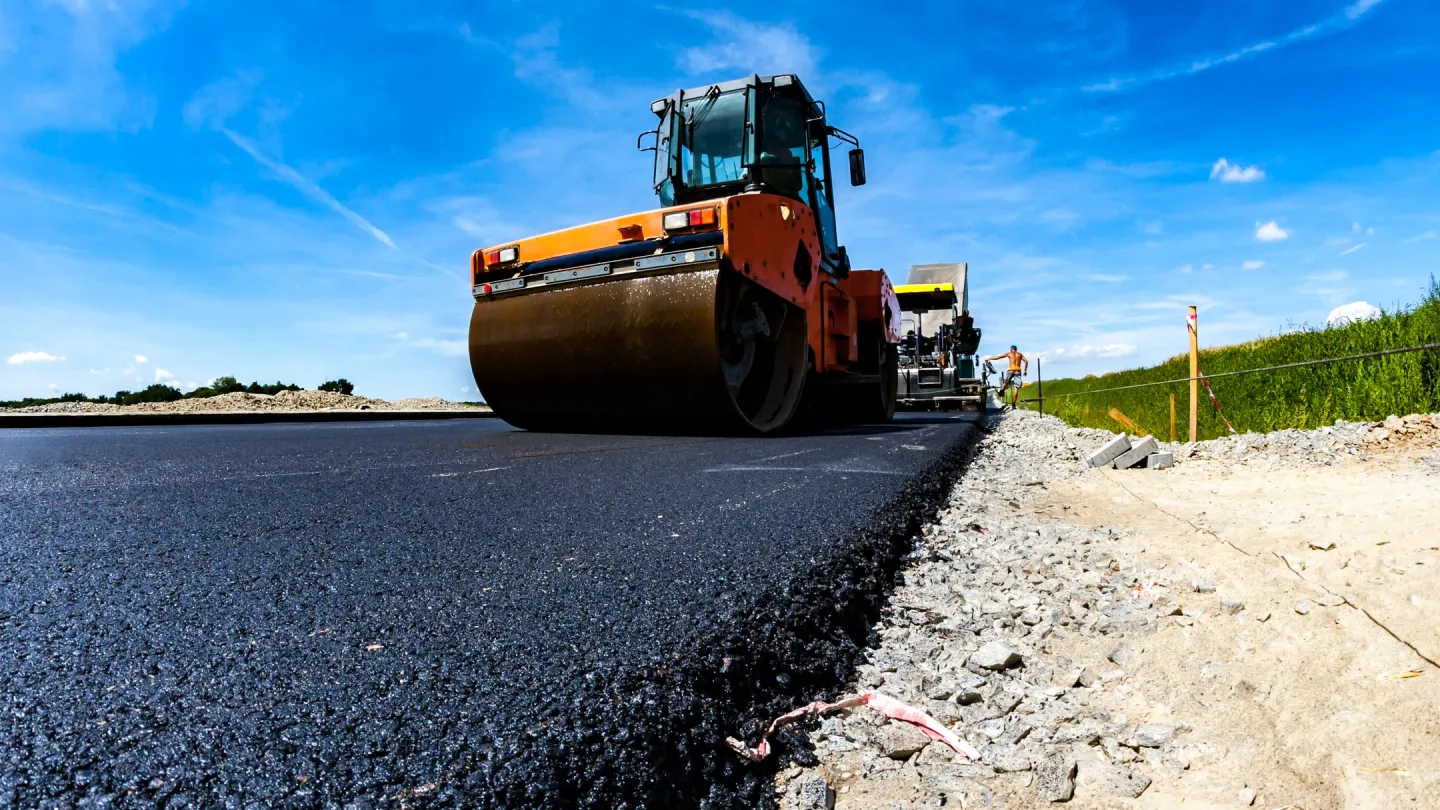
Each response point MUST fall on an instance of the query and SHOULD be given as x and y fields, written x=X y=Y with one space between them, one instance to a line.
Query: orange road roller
x=732 y=308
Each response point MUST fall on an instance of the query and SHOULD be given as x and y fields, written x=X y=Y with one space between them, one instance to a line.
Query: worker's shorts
x=1010 y=378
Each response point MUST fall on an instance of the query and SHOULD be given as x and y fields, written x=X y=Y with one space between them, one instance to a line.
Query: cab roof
x=925 y=297
x=787 y=81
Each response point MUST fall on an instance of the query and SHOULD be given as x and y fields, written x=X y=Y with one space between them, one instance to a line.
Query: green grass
x=1309 y=397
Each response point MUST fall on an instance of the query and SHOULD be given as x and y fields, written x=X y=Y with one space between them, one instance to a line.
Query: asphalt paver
x=433 y=614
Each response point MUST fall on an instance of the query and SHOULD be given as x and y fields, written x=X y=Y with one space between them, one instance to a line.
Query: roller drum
x=700 y=351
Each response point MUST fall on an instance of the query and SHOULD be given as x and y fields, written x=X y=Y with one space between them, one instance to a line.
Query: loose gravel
x=988 y=631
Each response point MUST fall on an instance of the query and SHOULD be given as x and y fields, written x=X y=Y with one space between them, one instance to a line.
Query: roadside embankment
x=251 y=403
x=1255 y=626
x=239 y=409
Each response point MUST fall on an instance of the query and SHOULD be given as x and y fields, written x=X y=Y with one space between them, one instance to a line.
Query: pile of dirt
x=289 y=401
x=1213 y=635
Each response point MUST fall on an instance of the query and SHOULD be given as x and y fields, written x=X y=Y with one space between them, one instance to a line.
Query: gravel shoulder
x=287 y=401
x=1256 y=626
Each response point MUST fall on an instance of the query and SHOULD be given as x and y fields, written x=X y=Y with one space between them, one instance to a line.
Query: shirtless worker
x=1012 y=375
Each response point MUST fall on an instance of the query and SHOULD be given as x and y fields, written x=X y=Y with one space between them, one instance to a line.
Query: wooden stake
x=1194 y=375
x=1128 y=423
x=1172 y=417
x=1039 y=386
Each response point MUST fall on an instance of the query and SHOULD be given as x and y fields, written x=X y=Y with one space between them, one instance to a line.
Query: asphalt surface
x=433 y=614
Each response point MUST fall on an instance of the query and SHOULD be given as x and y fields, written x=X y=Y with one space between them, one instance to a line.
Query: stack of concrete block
x=1122 y=453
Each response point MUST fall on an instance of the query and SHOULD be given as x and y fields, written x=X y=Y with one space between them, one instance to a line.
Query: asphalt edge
x=653 y=736
x=61 y=420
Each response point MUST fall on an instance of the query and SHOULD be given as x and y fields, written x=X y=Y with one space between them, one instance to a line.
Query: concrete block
x=1105 y=455
x=1160 y=461
x=1138 y=452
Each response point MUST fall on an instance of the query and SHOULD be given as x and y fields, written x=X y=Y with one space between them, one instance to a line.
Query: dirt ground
x=1273 y=614
x=1338 y=707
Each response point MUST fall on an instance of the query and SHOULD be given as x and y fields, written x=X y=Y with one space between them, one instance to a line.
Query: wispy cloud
x=1270 y=232
x=748 y=46
x=448 y=348
x=1421 y=237
x=1346 y=18
x=1348 y=251
x=140 y=358
x=307 y=188
x=1107 y=278
x=1252 y=264
x=161 y=375
x=1227 y=172
x=1086 y=351
x=33 y=357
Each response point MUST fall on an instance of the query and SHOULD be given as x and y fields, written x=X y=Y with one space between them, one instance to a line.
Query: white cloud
x=161 y=375
x=1360 y=7
x=448 y=348
x=308 y=188
x=1088 y=351
x=1348 y=251
x=1105 y=278
x=1252 y=264
x=1351 y=313
x=1207 y=266
x=1329 y=276
x=750 y=47
x=1185 y=268
x=402 y=335
x=1330 y=25
x=1227 y=172
x=1270 y=232
x=1422 y=237
x=33 y=357
x=1355 y=227
x=140 y=358
x=216 y=102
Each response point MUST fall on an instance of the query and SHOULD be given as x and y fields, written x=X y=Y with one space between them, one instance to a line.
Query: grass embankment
x=1309 y=397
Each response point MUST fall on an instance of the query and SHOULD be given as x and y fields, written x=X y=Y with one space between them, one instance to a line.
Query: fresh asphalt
x=378 y=614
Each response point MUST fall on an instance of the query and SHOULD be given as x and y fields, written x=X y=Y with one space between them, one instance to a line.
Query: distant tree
x=159 y=392
x=340 y=386
x=226 y=385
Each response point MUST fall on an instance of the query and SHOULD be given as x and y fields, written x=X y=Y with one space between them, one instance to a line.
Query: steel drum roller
x=692 y=351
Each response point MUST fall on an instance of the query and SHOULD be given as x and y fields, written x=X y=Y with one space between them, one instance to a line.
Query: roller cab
x=716 y=311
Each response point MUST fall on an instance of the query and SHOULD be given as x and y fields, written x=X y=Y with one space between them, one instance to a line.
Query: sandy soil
x=1273 y=606
x=1311 y=709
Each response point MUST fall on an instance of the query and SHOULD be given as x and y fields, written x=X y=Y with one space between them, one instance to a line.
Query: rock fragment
x=1231 y=606
x=814 y=794
x=1055 y=778
x=996 y=655
x=1154 y=735
x=900 y=740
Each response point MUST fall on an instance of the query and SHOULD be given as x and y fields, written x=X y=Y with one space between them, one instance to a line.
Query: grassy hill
x=1292 y=398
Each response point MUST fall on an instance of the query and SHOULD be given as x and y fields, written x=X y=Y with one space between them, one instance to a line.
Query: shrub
x=340 y=386
x=159 y=392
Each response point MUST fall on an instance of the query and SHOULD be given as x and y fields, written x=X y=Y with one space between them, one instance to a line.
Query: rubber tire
x=870 y=403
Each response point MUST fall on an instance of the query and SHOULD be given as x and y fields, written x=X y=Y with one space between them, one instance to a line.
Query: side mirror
x=857 y=167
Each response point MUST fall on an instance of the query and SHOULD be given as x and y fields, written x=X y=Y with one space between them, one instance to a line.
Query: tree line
x=161 y=392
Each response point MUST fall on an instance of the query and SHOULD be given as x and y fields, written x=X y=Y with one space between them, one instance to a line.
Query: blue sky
x=292 y=190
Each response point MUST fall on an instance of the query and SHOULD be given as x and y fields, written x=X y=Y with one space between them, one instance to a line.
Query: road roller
x=730 y=308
